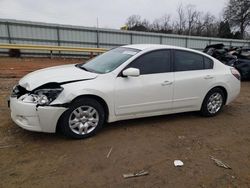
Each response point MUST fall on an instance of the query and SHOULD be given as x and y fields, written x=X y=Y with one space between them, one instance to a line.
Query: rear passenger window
x=186 y=61
x=153 y=62
x=208 y=63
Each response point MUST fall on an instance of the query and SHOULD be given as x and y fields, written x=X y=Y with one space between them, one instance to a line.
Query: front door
x=152 y=91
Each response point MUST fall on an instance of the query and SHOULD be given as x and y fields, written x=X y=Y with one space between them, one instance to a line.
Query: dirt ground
x=29 y=159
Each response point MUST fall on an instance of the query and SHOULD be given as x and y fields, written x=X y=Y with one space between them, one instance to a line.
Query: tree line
x=190 y=21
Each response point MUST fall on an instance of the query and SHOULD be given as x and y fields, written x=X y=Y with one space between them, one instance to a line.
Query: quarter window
x=186 y=61
x=153 y=62
x=208 y=63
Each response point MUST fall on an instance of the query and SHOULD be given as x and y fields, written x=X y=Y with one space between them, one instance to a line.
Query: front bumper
x=33 y=118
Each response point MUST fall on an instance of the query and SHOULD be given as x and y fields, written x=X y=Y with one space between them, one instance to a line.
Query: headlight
x=42 y=96
x=46 y=96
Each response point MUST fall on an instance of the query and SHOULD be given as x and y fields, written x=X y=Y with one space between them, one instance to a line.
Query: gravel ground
x=29 y=159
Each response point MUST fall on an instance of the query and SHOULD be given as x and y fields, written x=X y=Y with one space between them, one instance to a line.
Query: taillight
x=235 y=73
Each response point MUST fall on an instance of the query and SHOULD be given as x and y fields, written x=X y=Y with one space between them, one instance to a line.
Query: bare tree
x=210 y=25
x=166 y=20
x=192 y=22
x=192 y=17
x=156 y=25
x=133 y=21
x=199 y=26
x=237 y=13
x=145 y=23
x=162 y=24
x=181 y=23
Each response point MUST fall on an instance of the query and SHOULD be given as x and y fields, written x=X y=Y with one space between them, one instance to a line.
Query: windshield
x=109 y=61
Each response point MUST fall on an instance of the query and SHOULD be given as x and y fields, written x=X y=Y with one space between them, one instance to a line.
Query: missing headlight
x=42 y=95
x=46 y=96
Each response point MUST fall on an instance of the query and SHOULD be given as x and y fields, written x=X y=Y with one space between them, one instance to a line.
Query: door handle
x=208 y=77
x=165 y=83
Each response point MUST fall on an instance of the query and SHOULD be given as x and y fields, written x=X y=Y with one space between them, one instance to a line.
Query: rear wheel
x=83 y=119
x=213 y=102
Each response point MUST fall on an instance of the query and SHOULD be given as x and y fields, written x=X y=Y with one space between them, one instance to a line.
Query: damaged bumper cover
x=32 y=111
x=31 y=117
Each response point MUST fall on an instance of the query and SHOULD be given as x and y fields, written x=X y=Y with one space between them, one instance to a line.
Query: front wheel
x=83 y=118
x=213 y=103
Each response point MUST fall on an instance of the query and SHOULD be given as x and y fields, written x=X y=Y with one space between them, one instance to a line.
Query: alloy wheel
x=214 y=103
x=83 y=120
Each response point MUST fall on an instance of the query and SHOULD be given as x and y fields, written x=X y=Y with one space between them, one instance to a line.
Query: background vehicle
x=127 y=82
x=235 y=57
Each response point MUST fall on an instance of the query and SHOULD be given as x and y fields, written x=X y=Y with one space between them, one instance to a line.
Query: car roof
x=154 y=46
x=149 y=47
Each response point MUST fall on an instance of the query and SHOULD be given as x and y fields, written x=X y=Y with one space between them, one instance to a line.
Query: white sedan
x=127 y=82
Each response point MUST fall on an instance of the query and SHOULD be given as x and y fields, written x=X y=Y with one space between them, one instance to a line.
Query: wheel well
x=224 y=92
x=97 y=98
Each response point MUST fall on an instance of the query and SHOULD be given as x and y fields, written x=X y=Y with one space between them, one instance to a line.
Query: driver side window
x=153 y=62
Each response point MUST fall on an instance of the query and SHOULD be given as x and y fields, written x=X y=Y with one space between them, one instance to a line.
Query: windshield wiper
x=84 y=68
x=81 y=67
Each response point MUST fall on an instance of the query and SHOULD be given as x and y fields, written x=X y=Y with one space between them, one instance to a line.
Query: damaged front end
x=41 y=96
x=32 y=110
x=34 y=101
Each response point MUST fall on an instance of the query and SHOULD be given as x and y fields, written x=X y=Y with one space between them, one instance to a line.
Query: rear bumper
x=33 y=118
x=234 y=90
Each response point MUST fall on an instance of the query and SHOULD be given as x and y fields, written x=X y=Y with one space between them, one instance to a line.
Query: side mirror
x=131 y=72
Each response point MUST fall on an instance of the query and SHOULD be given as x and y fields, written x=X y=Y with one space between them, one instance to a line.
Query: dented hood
x=58 y=74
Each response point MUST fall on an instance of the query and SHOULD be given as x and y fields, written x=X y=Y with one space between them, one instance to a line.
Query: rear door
x=193 y=75
x=152 y=91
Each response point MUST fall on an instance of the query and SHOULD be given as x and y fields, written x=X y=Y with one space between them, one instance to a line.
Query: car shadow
x=147 y=121
x=123 y=124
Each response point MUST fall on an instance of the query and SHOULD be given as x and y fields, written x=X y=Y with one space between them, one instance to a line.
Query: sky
x=110 y=13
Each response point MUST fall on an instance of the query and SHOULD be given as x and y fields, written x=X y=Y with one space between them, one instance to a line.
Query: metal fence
x=26 y=32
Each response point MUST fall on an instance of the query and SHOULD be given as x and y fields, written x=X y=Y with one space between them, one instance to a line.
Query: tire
x=84 y=118
x=213 y=103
